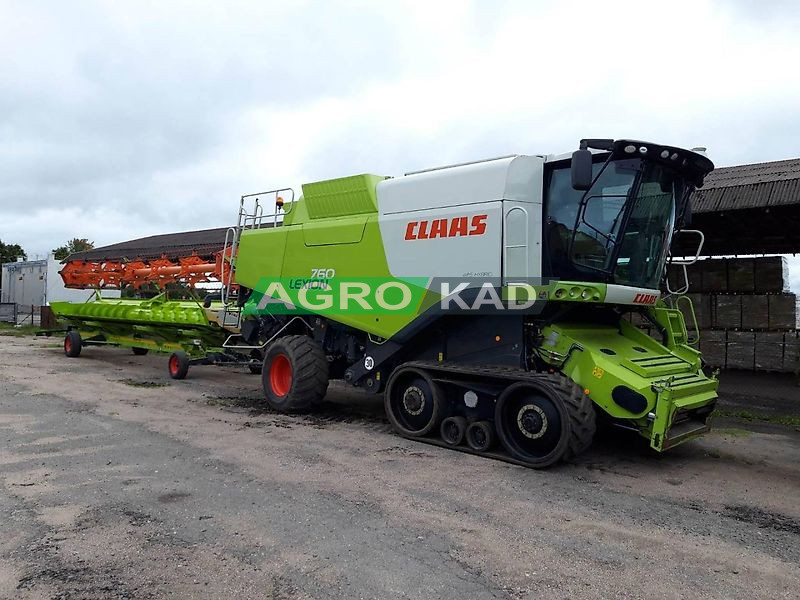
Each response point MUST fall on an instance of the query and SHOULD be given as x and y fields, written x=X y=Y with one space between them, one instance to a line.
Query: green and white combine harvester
x=490 y=302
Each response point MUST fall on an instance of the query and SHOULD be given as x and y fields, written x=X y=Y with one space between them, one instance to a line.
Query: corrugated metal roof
x=205 y=242
x=757 y=185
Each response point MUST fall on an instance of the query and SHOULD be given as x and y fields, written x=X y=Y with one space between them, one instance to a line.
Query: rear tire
x=72 y=344
x=452 y=430
x=178 y=365
x=140 y=351
x=295 y=374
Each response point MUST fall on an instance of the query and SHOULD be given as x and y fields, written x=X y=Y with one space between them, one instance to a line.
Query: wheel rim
x=479 y=437
x=530 y=425
x=67 y=345
x=174 y=364
x=280 y=375
x=413 y=405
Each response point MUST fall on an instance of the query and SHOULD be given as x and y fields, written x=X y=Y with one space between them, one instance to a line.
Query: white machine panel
x=456 y=241
x=465 y=221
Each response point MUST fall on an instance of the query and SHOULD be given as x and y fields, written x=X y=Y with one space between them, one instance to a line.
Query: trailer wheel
x=178 y=365
x=72 y=344
x=255 y=367
x=541 y=423
x=452 y=430
x=295 y=374
x=480 y=435
x=413 y=402
x=140 y=351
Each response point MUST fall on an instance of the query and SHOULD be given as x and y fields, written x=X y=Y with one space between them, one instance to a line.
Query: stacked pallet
x=747 y=317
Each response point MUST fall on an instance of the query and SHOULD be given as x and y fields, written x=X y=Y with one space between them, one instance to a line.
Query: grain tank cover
x=341 y=197
x=517 y=178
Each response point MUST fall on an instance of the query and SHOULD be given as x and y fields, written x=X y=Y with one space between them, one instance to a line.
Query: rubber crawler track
x=579 y=405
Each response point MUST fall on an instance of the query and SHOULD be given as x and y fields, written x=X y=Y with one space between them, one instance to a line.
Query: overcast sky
x=124 y=119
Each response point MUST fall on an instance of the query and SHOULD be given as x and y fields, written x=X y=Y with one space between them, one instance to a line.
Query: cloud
x=126 y=119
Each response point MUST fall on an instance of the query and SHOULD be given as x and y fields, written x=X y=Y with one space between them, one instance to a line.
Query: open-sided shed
x=749 y=209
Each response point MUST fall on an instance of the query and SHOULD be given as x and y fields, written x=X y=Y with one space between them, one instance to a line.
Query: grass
x=22 y=331
x=747 y=415
x=733 y=432
x=143 y=384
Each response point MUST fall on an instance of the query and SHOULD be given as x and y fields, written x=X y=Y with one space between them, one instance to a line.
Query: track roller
x=72 y=344
x=413 y=402
x=480 y=435
x=178 y=365
x=453 y=429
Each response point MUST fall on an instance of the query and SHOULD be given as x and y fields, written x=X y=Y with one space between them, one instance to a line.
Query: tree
x=71 y=247
x=10 y=252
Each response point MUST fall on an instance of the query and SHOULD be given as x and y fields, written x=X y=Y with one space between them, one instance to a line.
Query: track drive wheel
x=72 y=344
x=178 y=365
x=295 y=374
x=413 y=402
x=480 y=435
x=452 y=430
x=542 y=422
x=140 y=351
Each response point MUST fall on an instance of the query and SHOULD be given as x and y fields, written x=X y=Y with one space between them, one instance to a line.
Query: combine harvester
x=468 y=362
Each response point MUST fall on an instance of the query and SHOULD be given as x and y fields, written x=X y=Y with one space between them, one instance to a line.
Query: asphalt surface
x=116 y=482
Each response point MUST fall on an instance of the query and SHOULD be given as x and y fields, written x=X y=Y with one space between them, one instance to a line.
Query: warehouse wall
x=24 y=282
x=747 y=317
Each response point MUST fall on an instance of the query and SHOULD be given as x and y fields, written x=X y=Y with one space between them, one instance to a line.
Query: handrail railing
x=251 y=216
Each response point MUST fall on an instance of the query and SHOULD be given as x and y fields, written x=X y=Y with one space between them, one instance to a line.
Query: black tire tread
x=436 y=395
x=309 y=372
x=582 y=416
x=183 y=365
x=581 y=413
x=75 y=339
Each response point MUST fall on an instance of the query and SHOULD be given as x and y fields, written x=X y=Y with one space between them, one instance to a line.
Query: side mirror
x=581 y=169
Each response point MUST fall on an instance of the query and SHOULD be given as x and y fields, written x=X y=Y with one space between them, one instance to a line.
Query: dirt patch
x=230 y=499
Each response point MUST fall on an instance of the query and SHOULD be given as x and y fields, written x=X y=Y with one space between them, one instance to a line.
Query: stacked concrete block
x=791 y=352
x=695 y=274
x=771 y=274
x=713 y=347
x=769 y=350
x=783 y=311
x=727 y=311
x=741 y=275
x=755 y=311
x=714 y=277
x=702 y=311
x=747 y=317
x=765 y=275
x=740 y=350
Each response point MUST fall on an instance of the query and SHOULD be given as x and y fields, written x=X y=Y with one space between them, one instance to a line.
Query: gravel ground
x=117 y=482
